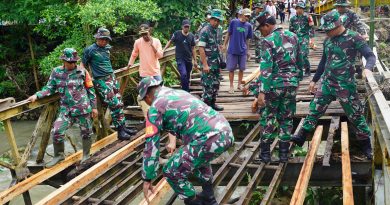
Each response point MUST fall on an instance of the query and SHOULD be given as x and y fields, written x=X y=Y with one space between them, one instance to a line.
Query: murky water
x=23 y=131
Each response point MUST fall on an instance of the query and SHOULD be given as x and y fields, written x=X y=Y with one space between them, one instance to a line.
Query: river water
x=23 y=131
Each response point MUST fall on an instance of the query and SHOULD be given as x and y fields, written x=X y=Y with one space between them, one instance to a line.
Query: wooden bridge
x=112 y=174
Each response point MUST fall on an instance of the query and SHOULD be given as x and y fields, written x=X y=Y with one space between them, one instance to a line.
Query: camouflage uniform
x=300 y=26
x=204 y=132
x=351 y=20
x=258 y=38
x=281 y=70
x=210 y=40
x=106 y=85
x=77 y=99
x=338 y=81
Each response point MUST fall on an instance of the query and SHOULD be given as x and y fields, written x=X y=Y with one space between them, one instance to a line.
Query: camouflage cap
x=262 y=18
x=330 y=21
x=146 y=83
x=69 y=55
x=217 y=14
x=259 y=5
x=144 y=28
x=342 y=3
x=103 y=33
x=301 y=4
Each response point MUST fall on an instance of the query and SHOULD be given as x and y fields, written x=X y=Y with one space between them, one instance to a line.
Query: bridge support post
x=372 y=23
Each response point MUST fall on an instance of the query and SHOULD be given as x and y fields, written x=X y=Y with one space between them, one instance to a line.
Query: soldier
x=258 y=9
x=351 y=20
x=205 y=134
x=97 y=57
x=209 y=50
x=302 y=25
x=77 y=103
x=280 y=72
x=337 y=80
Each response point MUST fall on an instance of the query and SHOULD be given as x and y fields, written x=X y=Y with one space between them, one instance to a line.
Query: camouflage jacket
x=77 y=94
x=340 y=54
x=210 y=39
x=183 y=115
x=352 y=21
x=300 y=26
x=280 y=64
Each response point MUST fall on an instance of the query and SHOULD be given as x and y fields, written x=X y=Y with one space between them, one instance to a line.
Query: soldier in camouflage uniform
x=351 y=20
x=302 y=25
x=337 y=80
x=209 y=49
x=97 y=57
x=77 y=102
x=281 y=69
x=205 y=134
x=258 y=9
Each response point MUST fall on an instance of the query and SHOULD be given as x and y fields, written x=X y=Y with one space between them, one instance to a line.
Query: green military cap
x=330 y=21
x=259 y=5
x=69 y=55
x=262 y=18
x=102 y=33
x=301 y=4
x=217 y=14
x=145 y=84
x=342 y=3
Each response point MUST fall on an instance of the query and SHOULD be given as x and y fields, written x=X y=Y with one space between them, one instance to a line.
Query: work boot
x=283 y=150
x=207 y=194
x=193 y=201
x=307 y=72
x=122 y=134
x=300 y=138
x=130 y=131
x=86 y=148
x=366 y=147
x=215 y=106
x=58 y=154
x=265 y=152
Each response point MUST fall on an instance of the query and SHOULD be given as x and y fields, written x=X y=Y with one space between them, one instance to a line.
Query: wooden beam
x=160 y=191
x=11 y=140
x=334 y=126
x=250 y=77
x=45 y=174
x=70 y=188
x=303 y=181
x=346 y=166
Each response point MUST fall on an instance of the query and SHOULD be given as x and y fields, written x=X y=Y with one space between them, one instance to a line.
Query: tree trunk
x=35 y=72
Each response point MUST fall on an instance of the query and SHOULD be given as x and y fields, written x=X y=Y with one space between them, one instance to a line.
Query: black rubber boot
x=59 y=154
x=86 y=149
x=300 y=138
x=122 y=134
x=307 y=72
x=283 y=150
x=215 y=106
x=130 y=131
x=193 y=201
x=207 y=194
x=265 y=152
x=366 y=147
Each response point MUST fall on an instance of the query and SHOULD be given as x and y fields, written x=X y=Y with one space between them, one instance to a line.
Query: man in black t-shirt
x=282 y=8
x=184 y=41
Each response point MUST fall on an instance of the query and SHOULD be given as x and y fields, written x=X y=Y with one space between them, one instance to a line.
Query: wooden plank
x=45 y=174
x=67 y=190
x=11 y=140
x=334 y=126
x=303 y=181
x=160 y=190
x=346 y=166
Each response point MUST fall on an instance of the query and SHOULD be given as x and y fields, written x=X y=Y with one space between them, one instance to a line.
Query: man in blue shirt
x=185 y=51
x=238 y=34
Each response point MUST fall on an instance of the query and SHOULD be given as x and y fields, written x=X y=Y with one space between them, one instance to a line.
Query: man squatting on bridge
x=77 y=102
x=335 y=75
x=205 y=134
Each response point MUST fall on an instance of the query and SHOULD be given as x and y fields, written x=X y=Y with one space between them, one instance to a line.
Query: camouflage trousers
x=304 y=41
x=210 y=82
x=65 y=120
x=347 y=95
x=276 y=117
x=195 y=158
x=107 y=88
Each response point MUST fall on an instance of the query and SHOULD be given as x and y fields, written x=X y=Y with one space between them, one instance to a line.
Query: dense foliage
x=34 y=32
